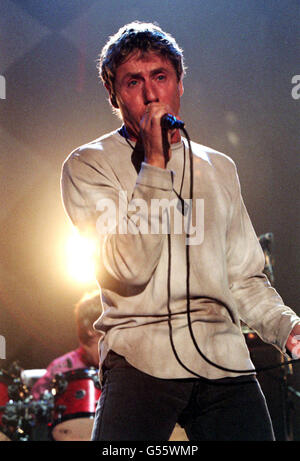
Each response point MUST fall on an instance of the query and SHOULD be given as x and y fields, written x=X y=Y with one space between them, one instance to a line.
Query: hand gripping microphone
x=170 y=122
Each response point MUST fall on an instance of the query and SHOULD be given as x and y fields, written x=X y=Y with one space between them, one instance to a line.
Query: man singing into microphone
x=152 y=372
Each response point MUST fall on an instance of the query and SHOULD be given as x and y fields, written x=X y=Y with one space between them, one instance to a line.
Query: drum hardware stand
x=13 y=411
x=61 y=409
x=17 y=389
x=21 y=417
x=42 y=409
x=58 y=384
x=95 y=379
x=16 y=421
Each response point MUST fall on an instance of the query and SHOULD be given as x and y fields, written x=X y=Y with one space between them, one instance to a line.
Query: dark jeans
x=135 y=406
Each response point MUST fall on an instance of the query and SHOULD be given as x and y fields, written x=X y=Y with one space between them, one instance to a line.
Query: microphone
x=170 y=122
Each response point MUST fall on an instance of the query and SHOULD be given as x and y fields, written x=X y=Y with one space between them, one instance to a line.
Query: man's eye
x=132 y=83
x=161 y=77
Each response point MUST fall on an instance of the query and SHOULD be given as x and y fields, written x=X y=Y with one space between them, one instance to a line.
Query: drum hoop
x=79 y=373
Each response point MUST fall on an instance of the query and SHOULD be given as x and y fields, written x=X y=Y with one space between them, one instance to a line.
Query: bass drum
x=76 y=394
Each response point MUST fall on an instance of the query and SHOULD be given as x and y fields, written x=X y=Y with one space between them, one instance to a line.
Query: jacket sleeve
x=92 y=196
x=259 y=304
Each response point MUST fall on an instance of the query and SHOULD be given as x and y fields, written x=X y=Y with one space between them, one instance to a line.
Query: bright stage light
x=80 y=257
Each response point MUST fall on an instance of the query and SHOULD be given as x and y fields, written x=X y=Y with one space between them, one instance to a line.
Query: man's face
x=141 y=80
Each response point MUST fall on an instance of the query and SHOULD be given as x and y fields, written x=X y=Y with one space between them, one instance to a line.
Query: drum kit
x=63 y=413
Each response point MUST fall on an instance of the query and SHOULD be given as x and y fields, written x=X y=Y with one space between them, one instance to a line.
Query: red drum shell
x=75 y=404
x=5 y=381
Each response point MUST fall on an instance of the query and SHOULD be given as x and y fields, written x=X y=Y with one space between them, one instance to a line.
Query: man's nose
x=150 y=94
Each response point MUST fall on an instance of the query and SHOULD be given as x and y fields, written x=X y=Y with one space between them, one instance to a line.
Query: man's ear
x=181 y=88
x=112 y=97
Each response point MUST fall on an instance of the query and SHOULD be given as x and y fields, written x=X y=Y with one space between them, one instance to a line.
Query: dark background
x=241 y=57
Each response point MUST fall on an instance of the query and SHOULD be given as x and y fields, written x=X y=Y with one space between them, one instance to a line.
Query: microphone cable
x=188 y=310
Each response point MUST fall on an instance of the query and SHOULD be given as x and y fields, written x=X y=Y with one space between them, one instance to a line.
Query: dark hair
x=87 y=311
x=137 y=36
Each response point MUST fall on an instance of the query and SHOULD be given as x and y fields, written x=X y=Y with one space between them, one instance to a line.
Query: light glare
x=81 y=258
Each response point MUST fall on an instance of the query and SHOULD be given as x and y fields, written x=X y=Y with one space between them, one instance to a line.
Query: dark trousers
x=135 y=406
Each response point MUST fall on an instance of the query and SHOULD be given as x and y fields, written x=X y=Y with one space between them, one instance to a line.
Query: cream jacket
x=109 y=193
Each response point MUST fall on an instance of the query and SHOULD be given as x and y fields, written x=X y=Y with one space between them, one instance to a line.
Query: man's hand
x=156 y=140
x=293 y=342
